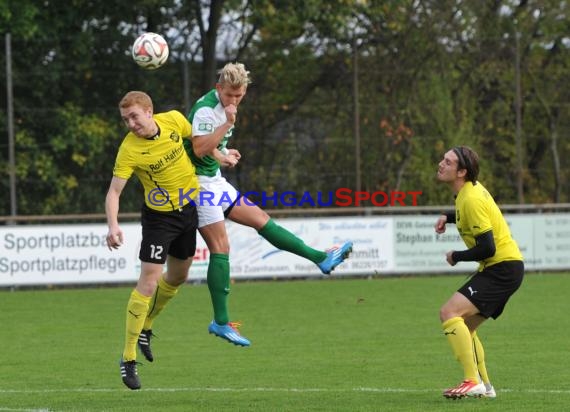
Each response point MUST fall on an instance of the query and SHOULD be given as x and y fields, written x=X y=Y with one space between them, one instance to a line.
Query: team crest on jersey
x=206 y=127
x=175 y=137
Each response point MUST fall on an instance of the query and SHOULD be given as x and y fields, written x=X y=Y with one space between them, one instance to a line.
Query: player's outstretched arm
x=114 y=235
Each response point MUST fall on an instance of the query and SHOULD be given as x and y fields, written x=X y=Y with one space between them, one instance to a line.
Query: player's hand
x=231 y=113
x=440 y=224
x=234 y=152
x=449 y=258
x=229 y=160
x=114 y=238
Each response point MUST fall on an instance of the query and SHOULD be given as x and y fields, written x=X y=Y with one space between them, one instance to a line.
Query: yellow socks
x=164 y=292
x=137 y=309
x=459 y=338
x=480 y=358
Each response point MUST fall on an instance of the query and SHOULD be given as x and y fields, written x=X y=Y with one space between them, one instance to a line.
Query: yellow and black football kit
x=500 y=273
x=486 y=233
x=477 y=213
x=169 y=218
x=161 y=163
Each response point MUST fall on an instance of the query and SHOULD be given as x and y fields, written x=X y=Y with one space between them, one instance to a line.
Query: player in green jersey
x=213 y=118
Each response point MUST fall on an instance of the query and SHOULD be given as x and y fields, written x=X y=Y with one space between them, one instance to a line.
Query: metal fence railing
x=297 y=212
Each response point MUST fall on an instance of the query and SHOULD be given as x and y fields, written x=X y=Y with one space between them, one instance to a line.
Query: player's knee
x=176 y=278
x=147 y=287
x=220 y=246
x=259 y=219
x=445 y=313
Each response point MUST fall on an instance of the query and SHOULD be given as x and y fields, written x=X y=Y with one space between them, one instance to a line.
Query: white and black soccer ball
x=150 y=51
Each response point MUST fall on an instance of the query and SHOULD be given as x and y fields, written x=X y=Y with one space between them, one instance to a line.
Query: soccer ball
x=150 y=51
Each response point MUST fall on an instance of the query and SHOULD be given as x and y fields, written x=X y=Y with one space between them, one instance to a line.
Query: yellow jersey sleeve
x=125 y=164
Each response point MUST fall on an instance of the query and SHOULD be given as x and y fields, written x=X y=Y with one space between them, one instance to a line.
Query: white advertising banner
x=253 y=256
x=59 y=254
x=418 y=249
x=77 y=254
x=544 y=239
x=31 y=255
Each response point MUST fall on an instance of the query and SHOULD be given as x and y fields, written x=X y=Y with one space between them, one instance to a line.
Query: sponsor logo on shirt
x=206 y=127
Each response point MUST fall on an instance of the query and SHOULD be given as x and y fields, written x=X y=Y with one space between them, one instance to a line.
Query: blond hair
x=136 y=98
x=234 y=75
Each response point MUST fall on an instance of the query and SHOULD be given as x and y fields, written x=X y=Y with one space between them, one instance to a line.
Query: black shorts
x=490 y=289
x=168 y=233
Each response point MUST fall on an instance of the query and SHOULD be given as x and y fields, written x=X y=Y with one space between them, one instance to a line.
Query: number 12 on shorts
x=156 y=252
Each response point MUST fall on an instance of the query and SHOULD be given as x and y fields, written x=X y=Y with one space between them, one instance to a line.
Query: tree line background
x=365 y=95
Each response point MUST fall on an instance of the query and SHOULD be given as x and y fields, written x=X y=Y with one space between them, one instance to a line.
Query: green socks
x=284 y=240
x=218 y=278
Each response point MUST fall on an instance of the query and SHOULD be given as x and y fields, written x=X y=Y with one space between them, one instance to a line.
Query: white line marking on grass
x=260 y=389
x=23 y=410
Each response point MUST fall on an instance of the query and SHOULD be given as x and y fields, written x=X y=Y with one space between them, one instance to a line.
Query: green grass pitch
x=317 y=345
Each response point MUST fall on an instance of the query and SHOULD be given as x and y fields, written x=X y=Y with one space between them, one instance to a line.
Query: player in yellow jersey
x=154 y=152
x=486 y=234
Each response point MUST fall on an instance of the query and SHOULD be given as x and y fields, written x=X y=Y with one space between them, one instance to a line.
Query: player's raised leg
x=249 y=214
